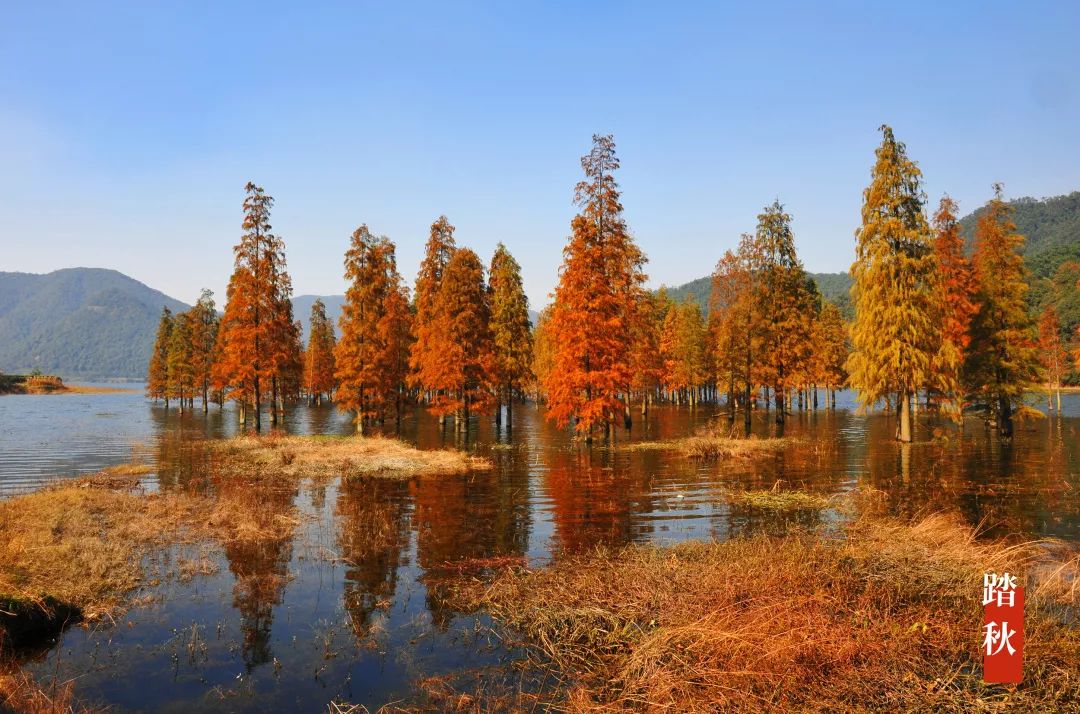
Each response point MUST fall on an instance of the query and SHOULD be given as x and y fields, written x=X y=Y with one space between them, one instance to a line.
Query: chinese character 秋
x=998 y=635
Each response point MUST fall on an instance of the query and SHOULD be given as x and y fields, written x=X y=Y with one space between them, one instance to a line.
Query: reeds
x=887 y=618
x=711 y=447
x=354 y=456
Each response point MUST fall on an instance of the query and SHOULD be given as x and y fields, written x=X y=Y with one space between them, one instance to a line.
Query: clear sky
x=127 y=131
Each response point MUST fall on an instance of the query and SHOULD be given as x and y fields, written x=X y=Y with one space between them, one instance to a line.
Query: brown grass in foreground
x=887 y=619
x=22 y=694
x=348 y=456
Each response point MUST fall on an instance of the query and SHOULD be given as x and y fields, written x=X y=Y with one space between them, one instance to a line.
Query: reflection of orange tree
x=464 y=521
x=261 y=516
x=373 y=535
x=593 y=494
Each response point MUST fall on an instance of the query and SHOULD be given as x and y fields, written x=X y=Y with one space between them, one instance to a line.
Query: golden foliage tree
x=511 y=330
x=596 y=302
x=369 y=355
x=157 y=376
x=204 y=328
x=786 y=304
x=543 y=360
x=896 y=333
x=319 y=366
x=735 y=323
x=180 y=361
x=1003 y=361
x=682 y=346
x=830 y=349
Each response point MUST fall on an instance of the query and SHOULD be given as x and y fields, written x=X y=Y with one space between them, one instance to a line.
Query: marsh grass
x=776 y=499
x=299 y=456
x=711 y=447
x=886 y=618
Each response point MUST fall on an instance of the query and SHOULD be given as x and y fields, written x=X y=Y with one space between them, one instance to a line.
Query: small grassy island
x=74 y=551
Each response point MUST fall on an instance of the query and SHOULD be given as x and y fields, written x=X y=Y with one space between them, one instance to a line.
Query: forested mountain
x=1051 y=252
x=78 y=322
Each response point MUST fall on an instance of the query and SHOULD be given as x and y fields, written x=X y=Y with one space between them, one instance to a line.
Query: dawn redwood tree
x=257 y=340
x=543 y=358
x=682 y=346
x=831 y=350
x=440 y=248
x=785 y=304
x=368 y=355
x=646 y=362
x=956 y=303
x=596 y=303
x=736 y=320
x=896 y=333
x=319 y=364
x=181 y=363
x=204 y=329
x=1052 y=352
x=157 y=376
x=1003 y=360
x=511 y=330
x=463 y=379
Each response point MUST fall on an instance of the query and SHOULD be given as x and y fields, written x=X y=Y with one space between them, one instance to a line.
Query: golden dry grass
x=886 y=619
x=351 y=456
x=713 y=446
x=20 y=693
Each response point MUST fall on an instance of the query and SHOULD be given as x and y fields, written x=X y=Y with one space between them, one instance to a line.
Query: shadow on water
x=346 y=601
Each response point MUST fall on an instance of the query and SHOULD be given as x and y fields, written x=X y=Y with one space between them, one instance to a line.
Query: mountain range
x=90 y=323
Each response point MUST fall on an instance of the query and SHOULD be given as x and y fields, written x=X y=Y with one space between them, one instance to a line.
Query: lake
x=349 y=608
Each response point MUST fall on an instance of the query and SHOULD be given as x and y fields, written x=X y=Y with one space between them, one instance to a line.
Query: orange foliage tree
x=374 y=328
x=596 y=303
x=257 y=340
x=956 y=298
x=1052 y=352
x=319 y=364
x=462 y=380
x=682 y=347
x=157 y=373
x=440 y=248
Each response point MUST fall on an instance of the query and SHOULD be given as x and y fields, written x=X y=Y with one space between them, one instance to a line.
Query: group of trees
x=464 y=346
x=181 y=364
x=930 y=320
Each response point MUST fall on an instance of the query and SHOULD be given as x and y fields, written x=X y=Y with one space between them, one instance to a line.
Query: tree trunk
x=1005 y=420
x=778 y=395
x=905 y=418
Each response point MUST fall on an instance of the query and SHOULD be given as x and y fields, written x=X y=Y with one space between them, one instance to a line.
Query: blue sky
x=127 y=131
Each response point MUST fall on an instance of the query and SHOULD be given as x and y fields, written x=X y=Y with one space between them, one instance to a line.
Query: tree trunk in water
x=243 y=413
x=498 y=409
x=778 y=394
x=1059 y=401
x=1005 y=420
x=510 y=410
x=904 y=434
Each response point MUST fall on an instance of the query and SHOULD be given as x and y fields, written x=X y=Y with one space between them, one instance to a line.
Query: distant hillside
x=833 y=286
x=1052 y=228
x=78 y=323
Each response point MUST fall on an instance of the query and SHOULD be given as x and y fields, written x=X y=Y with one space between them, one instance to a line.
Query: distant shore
x=40 y=384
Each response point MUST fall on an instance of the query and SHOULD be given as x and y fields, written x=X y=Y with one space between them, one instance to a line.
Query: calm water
x=349 y=606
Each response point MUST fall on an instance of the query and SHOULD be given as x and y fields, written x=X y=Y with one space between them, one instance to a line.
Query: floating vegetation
x=777 y=500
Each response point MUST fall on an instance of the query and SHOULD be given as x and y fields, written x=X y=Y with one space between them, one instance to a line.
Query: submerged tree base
x=887 y=618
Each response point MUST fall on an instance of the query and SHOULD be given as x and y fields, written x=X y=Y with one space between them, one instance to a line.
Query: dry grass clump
x=886 y=619
x=298 y=456
x=20 y=693
x=79 y=544
x=713 y=446
x=775 y=499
